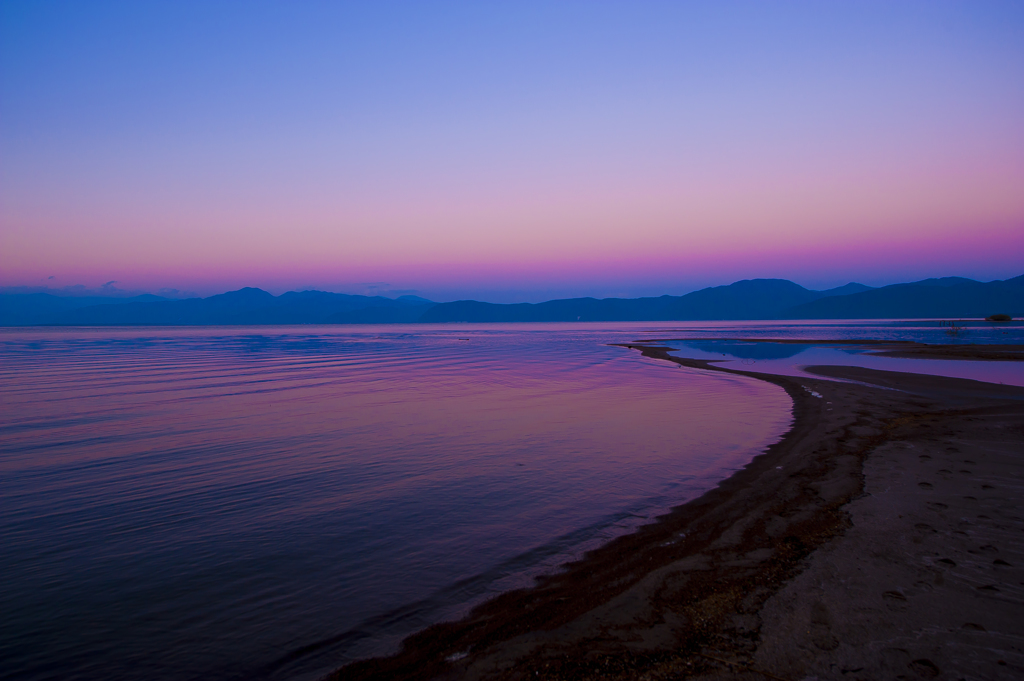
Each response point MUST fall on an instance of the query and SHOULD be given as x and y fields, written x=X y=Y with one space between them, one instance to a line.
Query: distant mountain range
x=242 y=307
x=931 y=298
x=748 y=299
x=946 y=298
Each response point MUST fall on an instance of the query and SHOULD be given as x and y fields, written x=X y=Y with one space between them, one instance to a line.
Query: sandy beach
x=880 y=538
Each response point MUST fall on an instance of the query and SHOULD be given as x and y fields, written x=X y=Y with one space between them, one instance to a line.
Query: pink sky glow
x=643 y=152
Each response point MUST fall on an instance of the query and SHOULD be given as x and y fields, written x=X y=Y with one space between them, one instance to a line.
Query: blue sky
x=509 y=150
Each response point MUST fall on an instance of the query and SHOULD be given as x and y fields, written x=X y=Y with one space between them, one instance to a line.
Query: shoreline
x=704 y=591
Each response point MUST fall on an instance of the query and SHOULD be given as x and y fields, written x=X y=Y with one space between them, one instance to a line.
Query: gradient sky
x=512 y=150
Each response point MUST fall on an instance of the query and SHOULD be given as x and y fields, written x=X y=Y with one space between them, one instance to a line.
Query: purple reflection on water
x=186 y=503
x=789 y=359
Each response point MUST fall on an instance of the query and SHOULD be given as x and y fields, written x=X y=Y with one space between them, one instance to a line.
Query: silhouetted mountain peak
x=246 y=293
x=931 y=298
x=944 y=281
x=847 y=289
x=414 y=300
x=761 y=285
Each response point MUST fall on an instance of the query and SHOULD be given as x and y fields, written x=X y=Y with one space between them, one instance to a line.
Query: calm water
x=718 y=342
x=272 y=502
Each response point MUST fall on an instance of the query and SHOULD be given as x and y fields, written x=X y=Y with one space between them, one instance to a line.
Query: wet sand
x=995 y=353
x=880 y=538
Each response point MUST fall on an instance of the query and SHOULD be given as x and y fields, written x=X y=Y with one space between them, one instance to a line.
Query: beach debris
x=954 y=328
x=455 y=657
x=813 y=392
x=999 y=318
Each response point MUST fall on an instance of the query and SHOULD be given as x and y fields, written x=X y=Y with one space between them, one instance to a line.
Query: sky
x=508 y=151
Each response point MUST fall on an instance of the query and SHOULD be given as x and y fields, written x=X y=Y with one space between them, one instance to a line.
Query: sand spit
x=880 y=538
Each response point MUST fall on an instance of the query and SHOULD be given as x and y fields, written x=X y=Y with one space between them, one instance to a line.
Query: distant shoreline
x=764 y=574
x=345 y=324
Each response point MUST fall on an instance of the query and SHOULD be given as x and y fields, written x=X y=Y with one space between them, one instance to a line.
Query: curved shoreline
x=688 y=595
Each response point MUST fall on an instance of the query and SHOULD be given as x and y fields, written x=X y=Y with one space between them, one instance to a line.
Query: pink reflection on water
x=733 y=356
x=261 y=489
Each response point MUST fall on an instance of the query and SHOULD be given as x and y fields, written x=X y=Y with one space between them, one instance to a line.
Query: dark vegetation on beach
x=749 y=299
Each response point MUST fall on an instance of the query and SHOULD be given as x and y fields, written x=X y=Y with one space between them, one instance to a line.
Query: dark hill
x=846 y=290
x=928 y=299
x=245 y=306
x=747 y=299
x=23 y=309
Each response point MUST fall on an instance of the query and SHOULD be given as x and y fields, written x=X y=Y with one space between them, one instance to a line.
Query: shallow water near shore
x=272 y=502
x=743 y=346
x=790 y=359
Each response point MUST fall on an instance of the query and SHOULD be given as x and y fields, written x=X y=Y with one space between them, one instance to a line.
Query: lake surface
x=271 y=502
x=790 y=359
x=723 y=342
x=252 y=503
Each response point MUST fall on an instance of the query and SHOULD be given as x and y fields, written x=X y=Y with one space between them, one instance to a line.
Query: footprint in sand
x=924 y=668
x=821 y=628
x=894 y=600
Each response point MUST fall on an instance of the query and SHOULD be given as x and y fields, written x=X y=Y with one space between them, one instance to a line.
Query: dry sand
x=880 y=539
